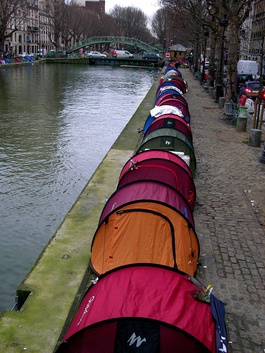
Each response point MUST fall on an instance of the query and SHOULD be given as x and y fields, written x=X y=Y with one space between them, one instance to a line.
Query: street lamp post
x=165 y=42
x=219 y=85
x=262 y=157
x=206 y=34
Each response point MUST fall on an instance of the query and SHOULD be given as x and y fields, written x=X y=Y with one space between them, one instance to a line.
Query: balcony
x=32 y=29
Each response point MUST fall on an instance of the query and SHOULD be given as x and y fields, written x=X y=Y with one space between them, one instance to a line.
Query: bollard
x=262 y=157
x=206 y=87
x=241 y=121
x=214 y=94
x=221 y=102
x=254 y=138
x=241 y=124
x=211 y=91
x=228 y=109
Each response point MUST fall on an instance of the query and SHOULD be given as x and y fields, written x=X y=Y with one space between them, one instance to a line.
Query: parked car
x=95 y=54
x=250 y=89
x=151 y=56
x=121 y=54
x=23 y=54
x=41 y=52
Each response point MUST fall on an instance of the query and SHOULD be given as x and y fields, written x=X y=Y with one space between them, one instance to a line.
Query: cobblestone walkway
x=230 y=218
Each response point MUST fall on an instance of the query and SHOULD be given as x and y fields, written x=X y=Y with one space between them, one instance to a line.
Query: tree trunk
x=232 y=89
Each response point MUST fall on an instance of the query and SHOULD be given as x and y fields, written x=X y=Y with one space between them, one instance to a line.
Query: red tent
x=169 y=95
x=174 y=81
x=149 y=191
x=142 y=309
x=147 y=166
x=175 y=102
x=158 y=154
x=177 y=80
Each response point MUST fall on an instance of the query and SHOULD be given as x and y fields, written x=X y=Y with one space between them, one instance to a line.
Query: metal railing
x=113 y=39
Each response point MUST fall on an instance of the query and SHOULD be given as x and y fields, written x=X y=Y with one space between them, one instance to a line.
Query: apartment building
x=257 y=45
x=97 y=6
x=35 y=26
x=245 y=37
x=34 y=29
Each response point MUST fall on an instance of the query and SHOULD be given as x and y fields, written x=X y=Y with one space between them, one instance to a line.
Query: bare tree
x=160 y=25
x=131 y=22
x=189 y=18
x=57 y=14
x=237 y=12
x=211 y=13
x=171 y=31
x=108 y=25
x=12 y=15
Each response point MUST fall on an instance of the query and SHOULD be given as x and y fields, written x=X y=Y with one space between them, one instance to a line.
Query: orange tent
x=145 y=229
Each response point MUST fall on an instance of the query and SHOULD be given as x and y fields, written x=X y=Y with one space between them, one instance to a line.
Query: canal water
x=57 y=123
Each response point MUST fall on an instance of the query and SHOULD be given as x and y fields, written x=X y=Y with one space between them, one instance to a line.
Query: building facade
x=34 y=29
x=245 y=37
x=97 y=6
x=258 y=33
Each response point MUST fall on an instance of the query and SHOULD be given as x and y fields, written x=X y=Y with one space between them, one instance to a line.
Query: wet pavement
x=230 y=218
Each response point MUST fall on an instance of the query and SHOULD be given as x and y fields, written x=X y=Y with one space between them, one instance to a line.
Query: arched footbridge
x=121 y=40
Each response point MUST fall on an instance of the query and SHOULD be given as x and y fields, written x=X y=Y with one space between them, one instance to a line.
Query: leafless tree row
x=223 y=20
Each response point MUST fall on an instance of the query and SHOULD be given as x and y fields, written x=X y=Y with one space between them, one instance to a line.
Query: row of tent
x=145 y=251
x=26 y=59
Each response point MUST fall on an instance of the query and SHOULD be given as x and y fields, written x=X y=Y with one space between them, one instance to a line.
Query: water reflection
x=57 y=122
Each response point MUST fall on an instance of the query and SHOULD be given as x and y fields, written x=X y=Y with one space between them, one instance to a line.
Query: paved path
x=230 y=218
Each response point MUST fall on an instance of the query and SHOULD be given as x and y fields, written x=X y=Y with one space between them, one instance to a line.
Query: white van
x=122 y=54
x=247 y=67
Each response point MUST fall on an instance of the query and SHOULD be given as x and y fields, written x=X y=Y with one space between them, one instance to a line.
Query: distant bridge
x=122 y=40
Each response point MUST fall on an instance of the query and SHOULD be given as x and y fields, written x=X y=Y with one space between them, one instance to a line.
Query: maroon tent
x=147 y=166
x=142 y=309
x=177 y=80
x=170 y=121
x=158 y=154
x=167 y=95
x=174 y=81
x=147 y=190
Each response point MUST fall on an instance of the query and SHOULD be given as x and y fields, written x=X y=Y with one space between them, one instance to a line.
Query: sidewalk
x=230 y=218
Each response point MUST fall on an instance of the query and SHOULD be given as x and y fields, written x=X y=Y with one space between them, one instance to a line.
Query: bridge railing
x=114 y=39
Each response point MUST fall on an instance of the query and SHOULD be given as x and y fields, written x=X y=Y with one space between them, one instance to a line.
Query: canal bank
x=47 y=294
x=122 y=62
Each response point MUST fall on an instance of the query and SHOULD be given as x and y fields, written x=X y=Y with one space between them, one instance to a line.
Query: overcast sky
x=149 y=7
